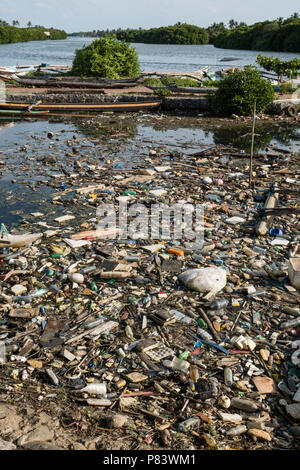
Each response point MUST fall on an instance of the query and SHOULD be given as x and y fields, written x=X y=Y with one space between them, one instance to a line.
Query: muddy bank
x=176 y=103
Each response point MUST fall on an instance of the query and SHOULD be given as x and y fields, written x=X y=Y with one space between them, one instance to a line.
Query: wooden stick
x=252 y=146
x=215 y=334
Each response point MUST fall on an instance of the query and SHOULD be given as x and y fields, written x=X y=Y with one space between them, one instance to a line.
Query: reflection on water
x=239 y=136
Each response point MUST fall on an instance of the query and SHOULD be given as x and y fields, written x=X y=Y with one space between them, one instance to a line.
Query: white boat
x=7 y=70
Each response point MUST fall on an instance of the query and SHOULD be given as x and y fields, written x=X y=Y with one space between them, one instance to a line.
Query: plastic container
x=95 y=389
x=177 y=364
x=189 y=424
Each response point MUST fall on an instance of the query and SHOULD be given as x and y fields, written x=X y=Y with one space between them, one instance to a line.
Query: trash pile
x=152 y=341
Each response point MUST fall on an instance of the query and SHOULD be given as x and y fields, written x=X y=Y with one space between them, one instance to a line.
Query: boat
x=79 y=107
x=76 y=82
x=21 y=113
x=7 y=70
x=229 y=59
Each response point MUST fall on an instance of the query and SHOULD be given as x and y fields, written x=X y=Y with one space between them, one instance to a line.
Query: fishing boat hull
x=21 y=113
x=87 y=108
x=75 y=82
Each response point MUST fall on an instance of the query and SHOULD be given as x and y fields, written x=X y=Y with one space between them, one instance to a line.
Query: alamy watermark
x=174 y=222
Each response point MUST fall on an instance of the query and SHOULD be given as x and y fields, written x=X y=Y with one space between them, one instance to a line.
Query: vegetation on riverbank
x=272 y=35
x=11 y=34
x=165 y=81
x=278 y=35
x=290 y=68
x=177 y=34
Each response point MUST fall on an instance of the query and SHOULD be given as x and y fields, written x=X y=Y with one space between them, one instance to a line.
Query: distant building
x=47 y=33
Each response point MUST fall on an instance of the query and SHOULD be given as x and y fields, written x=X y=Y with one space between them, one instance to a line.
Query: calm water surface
x=153 y=57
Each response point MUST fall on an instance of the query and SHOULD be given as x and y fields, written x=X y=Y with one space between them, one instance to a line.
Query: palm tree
x=233 y=24
x=29 y=24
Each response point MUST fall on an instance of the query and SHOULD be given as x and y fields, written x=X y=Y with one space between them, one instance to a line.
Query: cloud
x=85 y=15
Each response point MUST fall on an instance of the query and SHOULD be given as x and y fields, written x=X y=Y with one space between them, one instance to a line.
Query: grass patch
x=165 y=81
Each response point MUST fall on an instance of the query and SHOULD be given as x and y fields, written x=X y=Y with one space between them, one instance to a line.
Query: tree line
x=273 y=35
x=180 y=33
x=11 y=34
x=277 y=35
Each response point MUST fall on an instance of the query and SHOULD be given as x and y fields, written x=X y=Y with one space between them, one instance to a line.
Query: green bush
x=237 y=93
x=106 y=57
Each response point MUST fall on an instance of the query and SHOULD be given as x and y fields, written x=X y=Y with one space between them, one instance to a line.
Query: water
x=153 y=57
x=26 y=183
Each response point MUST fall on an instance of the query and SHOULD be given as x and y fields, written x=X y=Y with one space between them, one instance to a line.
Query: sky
x=87 y=15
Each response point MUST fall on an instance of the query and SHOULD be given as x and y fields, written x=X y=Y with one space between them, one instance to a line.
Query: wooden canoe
x=88 y=108
x=21 y=113
x=70 y=82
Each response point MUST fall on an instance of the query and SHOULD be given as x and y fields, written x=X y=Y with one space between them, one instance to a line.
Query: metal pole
x=252 y=145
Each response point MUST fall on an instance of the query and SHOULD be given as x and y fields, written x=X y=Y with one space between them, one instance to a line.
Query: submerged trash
x=172 y=342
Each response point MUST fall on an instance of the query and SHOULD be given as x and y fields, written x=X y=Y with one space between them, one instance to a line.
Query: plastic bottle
x=52 y=377
x=275 y=232
x=218 y=304
x=228 y=377
x=188 y=424
x=260 y=250
x=204 y=334
x=30 y=297
x=291 y=311
x=237 y=430
x=258 y=293
x=94 y=323
x=290 y=323
x=95 y=389
x=295 y=431
x=88 y=269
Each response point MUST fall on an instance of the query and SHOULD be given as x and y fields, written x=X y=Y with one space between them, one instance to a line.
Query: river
x=153 y=57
